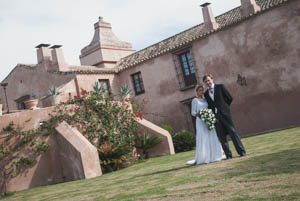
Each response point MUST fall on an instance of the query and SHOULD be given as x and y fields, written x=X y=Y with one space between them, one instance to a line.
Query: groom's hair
x=207 y=75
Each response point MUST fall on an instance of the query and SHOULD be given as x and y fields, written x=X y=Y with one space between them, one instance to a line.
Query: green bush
x=168 y=128
x=113 y=158
x=146 y=142
x=184 y=141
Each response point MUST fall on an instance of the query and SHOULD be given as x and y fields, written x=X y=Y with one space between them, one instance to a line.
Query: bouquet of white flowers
x=208 y=117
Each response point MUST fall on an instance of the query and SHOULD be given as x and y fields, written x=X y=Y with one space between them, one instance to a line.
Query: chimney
x=58 y=60
x=105 y=49
x=209 y=19
x=249 y=7
x=43 y=53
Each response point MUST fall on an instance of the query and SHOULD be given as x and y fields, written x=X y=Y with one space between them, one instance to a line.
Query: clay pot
x=54 y=100
x=32 y=104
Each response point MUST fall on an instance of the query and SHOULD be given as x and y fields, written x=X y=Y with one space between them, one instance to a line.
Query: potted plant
x=125 y=92
x=32 y=103
x=101 y=88
x=54 y=95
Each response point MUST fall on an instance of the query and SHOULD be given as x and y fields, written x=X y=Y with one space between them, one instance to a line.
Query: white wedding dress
x=208 y=147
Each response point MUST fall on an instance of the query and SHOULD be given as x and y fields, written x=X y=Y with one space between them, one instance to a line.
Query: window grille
x=185 y=69
x=138 y=84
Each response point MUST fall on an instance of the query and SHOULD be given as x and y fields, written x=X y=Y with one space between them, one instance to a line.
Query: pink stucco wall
x=86 y=81
x=46 y=169
x=165 y=147
x=264 y=49
x=162 y=91
x=27 y=80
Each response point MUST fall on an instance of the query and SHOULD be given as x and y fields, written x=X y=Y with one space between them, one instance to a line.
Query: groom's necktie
x=211 y=90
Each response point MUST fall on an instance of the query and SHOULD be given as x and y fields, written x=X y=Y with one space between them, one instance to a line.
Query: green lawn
x=270 y=171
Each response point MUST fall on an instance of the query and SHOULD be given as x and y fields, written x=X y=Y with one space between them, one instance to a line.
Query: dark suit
x=221 y=107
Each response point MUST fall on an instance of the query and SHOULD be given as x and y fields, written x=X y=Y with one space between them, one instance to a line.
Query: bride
x=208 y=147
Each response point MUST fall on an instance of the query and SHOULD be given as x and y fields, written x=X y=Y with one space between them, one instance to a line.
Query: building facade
x=253 y=49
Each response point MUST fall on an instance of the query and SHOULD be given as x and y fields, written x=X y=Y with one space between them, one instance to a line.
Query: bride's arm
x=194 y=108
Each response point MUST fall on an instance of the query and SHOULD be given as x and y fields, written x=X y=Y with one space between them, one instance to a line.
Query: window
x=104 y=84
x=138 y=83
x=188 y=69
x=20 y=102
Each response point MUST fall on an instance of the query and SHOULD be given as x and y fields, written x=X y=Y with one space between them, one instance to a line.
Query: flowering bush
x=208 y=117
x=109 y=125
x=100 y=119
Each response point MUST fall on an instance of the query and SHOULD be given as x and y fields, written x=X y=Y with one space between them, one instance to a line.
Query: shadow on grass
x=157 y=172
x=285 y=162
x=166 y=171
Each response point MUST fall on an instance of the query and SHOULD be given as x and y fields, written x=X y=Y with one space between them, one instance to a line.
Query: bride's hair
x=197 y=87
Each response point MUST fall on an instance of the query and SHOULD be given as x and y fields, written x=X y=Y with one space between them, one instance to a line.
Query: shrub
x=145 y=142
x=100 y=119
x=168 y=128
x=113 y=158
x=183 y=141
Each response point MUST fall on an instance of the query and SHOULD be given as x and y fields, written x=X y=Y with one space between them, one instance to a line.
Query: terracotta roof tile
x=88 y=70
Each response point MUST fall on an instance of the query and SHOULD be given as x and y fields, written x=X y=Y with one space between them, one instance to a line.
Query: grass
x=270 y=171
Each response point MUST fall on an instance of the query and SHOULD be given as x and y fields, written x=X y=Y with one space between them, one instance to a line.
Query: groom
x=219 y=100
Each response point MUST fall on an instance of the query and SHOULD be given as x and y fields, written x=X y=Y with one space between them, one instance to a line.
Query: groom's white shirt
x=212 y=94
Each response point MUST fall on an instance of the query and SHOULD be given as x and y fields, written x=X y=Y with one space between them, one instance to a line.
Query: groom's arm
x=227 y=96
x=209 y=101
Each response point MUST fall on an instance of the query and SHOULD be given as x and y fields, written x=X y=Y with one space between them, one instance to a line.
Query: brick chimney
x=43 y=53
x=209 y=19
x=249 y=7
x=58 y=59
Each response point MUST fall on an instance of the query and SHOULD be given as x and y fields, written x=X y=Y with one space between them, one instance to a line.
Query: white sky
x=26 y=23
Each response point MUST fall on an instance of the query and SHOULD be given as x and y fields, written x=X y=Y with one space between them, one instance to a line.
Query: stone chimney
x=209 y=19
x=43 y=53
x=105 y=49
x=249 y=7
x=58 y=60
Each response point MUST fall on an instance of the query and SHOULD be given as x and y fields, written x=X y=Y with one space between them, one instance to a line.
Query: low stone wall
x=166 y=146
x=79 y=156
x=68 y=150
